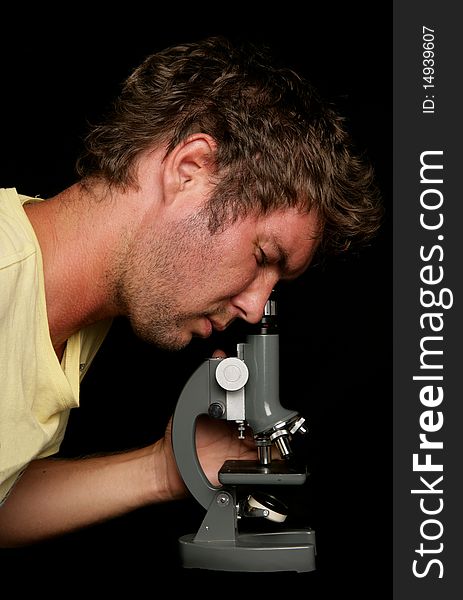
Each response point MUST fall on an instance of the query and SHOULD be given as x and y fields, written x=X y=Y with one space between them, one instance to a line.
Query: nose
x=251 y=301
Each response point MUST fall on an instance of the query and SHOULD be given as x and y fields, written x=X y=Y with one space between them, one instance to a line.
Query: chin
x=173 y=343
x=163 y=338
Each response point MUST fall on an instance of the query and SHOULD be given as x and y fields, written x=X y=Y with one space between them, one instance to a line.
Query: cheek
x=235 y=280
x=219 y=278
x=226 y=269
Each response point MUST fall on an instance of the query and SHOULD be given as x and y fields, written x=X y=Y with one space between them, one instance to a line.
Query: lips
x=218 y=326
x=221 y=326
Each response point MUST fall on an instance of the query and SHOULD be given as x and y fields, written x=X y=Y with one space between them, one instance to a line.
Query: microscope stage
x=278 y=472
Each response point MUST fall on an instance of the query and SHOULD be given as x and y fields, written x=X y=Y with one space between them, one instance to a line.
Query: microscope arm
x=193 y=402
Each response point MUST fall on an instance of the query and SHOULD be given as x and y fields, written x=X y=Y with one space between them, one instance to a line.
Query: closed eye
x=263 y=260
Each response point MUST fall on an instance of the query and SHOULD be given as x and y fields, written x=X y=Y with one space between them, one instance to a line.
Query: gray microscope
x=244 y=389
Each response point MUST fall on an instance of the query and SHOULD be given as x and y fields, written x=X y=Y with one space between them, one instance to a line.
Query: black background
x=335 y=321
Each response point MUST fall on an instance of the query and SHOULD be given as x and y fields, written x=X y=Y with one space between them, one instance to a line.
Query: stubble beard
x=148 y=288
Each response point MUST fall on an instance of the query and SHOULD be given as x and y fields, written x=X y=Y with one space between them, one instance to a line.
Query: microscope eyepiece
x=269 y=322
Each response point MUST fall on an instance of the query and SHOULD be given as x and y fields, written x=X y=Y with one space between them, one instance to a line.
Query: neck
x=76 y=232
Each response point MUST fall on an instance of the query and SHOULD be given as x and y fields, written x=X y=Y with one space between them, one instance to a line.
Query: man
x=216 y=176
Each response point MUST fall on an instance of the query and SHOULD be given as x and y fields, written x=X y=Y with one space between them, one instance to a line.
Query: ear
x=188 y=166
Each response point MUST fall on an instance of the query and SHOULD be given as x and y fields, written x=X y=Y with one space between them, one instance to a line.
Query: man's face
x=179 y=281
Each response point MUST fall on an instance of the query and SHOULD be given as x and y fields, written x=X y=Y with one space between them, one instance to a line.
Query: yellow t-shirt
x=36 y=390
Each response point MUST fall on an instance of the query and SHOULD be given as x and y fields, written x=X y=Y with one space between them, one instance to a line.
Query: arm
x=55 y=496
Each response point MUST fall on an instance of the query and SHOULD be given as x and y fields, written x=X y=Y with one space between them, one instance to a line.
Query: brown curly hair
x=278 y=143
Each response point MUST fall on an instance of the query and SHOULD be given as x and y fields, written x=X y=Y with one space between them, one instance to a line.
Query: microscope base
x=291 y=550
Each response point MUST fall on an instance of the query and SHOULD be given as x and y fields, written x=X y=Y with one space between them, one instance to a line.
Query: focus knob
x=232 y=374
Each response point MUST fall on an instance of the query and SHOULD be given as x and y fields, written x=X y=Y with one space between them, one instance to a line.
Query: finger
x=219 y=354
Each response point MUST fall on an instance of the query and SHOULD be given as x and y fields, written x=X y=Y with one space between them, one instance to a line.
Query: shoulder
x=17 y=238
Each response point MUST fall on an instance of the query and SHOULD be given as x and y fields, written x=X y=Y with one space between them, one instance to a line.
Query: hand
x=216 y=442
